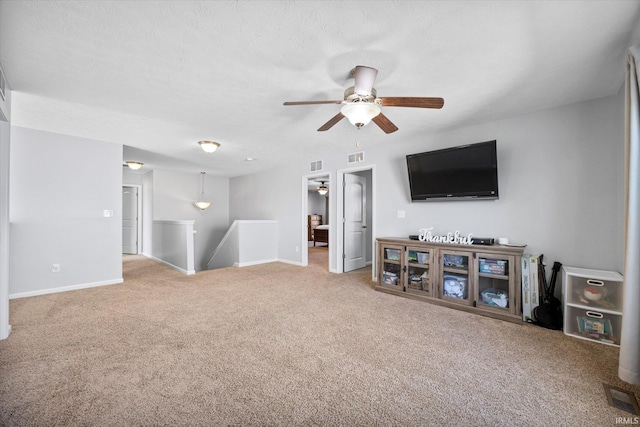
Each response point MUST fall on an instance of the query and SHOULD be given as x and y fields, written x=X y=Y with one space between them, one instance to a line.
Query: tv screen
x=467 y=172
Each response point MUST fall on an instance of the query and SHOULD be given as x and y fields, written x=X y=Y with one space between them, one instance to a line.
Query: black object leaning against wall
x=549 y=313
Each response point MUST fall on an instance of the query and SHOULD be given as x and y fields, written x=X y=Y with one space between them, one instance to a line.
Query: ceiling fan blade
x=384 y=123
x=335 y=119
x=364 y=76
x=312 y=102
x=403 y=101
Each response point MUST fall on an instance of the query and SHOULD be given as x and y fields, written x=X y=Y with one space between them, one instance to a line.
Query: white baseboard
x=246 y=264
x=168 y=264
x=8 y=332
x=65 y=288
x=286 y=261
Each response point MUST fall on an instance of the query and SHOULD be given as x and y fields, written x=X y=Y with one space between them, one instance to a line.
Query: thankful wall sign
x=454 y=238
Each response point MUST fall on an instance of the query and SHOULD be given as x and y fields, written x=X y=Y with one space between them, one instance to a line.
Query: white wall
x=226 y=253
x=559 y=185
x=257 y=242
x=619 y=115
x=276 y=195
x=173 y=244
x=132 y=178
x=5 y=105
x=147 y=213
x=174 y=194
x=560 y=181
x=5 y=134
x=60 y=187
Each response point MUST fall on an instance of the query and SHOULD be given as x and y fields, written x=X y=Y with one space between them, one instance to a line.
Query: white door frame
x=355 y=199
x=138 y=216
x=339 y=215
x=304 y=244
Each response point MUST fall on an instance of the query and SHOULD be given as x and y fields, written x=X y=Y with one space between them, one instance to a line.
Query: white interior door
x=129 y=220
x=355 y=222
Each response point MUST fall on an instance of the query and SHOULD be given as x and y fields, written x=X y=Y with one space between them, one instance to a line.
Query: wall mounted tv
x=467 y=172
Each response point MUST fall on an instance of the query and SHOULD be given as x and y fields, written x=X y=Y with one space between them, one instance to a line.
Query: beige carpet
x=277 y=344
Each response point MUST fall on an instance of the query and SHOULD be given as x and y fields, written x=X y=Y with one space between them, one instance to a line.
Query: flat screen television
x=467 y=172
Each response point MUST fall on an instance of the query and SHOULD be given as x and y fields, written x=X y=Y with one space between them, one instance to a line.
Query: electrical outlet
x=400 y=214
x=297 y=248
x=55 y=268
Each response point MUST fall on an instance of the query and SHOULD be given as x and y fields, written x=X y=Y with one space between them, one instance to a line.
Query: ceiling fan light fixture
x=360 y=113
x=209 y=146
x=322 y=190
x=134 y=165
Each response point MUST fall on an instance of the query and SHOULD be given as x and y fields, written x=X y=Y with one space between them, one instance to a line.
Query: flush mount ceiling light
x=322 y=190
x=209 y=146
x=202 y=202
x=360 y=113
x=134 y=165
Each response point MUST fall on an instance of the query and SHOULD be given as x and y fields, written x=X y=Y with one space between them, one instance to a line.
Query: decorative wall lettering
x=425 y=235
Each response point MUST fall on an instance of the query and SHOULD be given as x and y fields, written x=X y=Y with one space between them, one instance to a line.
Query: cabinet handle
x=594 y=282
x=594 y=314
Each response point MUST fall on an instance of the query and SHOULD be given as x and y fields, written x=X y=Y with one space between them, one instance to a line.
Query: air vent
x=622 y=399
x=355 y=157
x=316 y=166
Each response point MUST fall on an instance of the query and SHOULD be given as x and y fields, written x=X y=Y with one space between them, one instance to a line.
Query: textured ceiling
x=160 y=76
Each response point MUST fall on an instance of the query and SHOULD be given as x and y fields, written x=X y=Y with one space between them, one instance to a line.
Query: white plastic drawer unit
x=593 y=304
x=593 y=325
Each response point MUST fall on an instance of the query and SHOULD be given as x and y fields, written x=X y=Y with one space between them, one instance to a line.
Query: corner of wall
x=5 y=135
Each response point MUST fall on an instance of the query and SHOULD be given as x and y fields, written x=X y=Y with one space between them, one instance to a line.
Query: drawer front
x=593 y=325
x=594 y=292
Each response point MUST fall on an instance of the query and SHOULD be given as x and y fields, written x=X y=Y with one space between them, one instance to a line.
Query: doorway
x=356 y=206
x=317 y=224
x=131 y=210
x=354 y=221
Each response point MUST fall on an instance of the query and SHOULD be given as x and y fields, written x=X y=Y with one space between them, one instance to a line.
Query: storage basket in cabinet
x=392 y=254
x=593 y=304
x=493 y=266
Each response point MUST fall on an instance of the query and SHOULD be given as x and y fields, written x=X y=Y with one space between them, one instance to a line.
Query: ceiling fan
x=362 y=104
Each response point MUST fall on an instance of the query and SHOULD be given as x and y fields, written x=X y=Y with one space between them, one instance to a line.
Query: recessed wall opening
x=317 y=220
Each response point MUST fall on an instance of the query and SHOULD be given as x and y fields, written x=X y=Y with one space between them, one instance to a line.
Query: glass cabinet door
x=419 y=267
x=455 y=279
x=391 y=267
x=493 y=275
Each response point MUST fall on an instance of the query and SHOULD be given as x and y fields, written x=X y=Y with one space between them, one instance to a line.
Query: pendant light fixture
x=134 y=165
x=322 y=190
x=202 y=202
x=209 y=146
